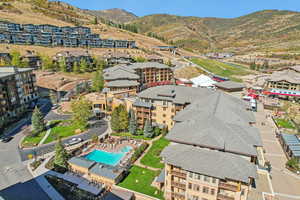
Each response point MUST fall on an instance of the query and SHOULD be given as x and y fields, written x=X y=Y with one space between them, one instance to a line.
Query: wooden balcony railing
x=178 y=173
x=177 y=195
x=229 y=187
x=224 y=197
x=178 y=185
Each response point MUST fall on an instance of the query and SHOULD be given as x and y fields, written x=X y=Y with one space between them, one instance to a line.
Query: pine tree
x=97 y=82
x=265 y=65
x=253 y=66
x=37 y=120
x=83 y=65
x=148 y=130
x=76 y=68
x=81 y=109
x=62 y=65
x=115 y=121
x=123 y=117
x=16 y=59
x=132 y=123
x=61 y=155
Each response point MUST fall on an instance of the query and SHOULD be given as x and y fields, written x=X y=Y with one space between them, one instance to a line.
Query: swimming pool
x=108 y=158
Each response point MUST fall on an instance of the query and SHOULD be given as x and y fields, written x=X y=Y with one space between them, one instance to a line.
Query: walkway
x=285 y=184
x=46 y=135
x=138 y=161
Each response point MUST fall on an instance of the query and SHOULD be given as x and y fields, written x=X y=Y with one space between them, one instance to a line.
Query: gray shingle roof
x=82 y=162
x=9 y=71
x=175 y=93
x=120 y=74
x=230 y=85
x=286 y=75
x=139 y=103
x=208 y=162
x=106 y=171
x=212 y=132
x=149 y=65
x=122 y=83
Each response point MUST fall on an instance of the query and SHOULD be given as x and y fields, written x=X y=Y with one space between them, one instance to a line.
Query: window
x=212 y=191
x=198 y=176
x=206 y=178
x=196 y=187
x=205 y=190
x=164 y=115
x=204 y=199
x=195 y=197
x=164 y=109
x=190 y=186
x=191 y=175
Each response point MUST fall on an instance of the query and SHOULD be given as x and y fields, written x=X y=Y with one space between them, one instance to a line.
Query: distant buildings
x=18 y=92
x=32 y=59
x=72 y=57
x=291 y=145
x=49 y=35
x=285 y=82
x=219 y=55
x=118 y=58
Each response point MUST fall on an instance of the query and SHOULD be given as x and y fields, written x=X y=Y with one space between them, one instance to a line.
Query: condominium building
x=288 y=79
x=18 y=91
x=137 y=76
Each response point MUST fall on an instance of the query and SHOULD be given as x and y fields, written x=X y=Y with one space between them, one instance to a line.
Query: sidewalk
x=46 y=135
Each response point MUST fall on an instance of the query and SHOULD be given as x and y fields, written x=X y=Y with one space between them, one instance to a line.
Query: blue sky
x=200 y=8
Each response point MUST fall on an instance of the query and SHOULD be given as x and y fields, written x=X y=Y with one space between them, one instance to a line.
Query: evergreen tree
x=123 y=117
x=95 y=21
x=81 y=109
x=37 y=120
x=97 y=81
x=265 y=65
x=62 y=65
x=61 y=155
x=76 y=67
x=115 y=121
x=253 y=66
x=83 y=65
x=148 y=130
x=16 y=59
x=132 y=123
x=47 y=63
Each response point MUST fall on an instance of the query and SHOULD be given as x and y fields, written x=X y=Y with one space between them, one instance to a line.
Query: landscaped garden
x=31 y=141
x=221 y=69
x=284 y=123
x=152 y=157
x=140 y=180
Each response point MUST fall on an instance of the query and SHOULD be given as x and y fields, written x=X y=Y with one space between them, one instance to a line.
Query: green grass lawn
x=222 y=69
x=144 y=178
x=60 y=131
x=284 y=123
x=138 y=137
x=33 y=141
x=152 y=158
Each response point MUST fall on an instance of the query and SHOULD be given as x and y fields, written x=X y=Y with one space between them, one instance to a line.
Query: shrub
x=138 y=152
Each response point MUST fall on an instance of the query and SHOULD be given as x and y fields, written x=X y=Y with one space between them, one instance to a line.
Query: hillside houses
x=49 y=35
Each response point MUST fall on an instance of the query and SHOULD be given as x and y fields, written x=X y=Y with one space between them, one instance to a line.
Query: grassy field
x=152 y=158
x=140 y=179
x=33 y=141
x=222 y=69
x=60 y=131
x=284 y=123
x=129 y=135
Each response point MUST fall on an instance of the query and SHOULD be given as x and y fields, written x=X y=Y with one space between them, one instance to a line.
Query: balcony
x=178 y=173
x=230 y=187
x=177 y=195
x=178 y=185
x=224 y=197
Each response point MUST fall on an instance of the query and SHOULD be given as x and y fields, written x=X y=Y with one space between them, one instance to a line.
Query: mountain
x=115 y=15
x=268 y=29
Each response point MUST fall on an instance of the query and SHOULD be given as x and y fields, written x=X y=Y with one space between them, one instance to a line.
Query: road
x=16 y=182
x=286 y=185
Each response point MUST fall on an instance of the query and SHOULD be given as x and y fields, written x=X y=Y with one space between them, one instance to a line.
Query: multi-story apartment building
x=287 y=79
x=49 y=35
x=118 y=58
x=138 y=75
x=18 y=91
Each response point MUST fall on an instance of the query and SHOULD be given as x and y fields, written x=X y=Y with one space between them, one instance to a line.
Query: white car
x=73 y=141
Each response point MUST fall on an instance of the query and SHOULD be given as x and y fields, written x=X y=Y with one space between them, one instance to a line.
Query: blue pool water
x=107 y=157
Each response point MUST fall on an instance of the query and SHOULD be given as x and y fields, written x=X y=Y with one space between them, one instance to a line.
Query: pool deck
x=115 y=147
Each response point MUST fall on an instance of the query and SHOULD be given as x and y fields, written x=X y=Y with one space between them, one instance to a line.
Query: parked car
x=6 y=139
x=73 y=141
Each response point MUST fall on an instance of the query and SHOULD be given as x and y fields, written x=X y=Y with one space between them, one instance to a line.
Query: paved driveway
x=286 y=185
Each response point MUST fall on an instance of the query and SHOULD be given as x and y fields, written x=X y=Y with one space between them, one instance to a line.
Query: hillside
x=269 y=29
x=62 y=14
x=116 y=15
